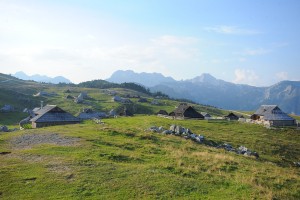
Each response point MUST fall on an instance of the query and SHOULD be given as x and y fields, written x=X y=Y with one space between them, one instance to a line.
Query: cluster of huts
x=269 y=115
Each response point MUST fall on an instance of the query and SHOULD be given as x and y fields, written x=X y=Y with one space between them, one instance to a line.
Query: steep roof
x=272 y=112
x=52 y=113
x=181 y=108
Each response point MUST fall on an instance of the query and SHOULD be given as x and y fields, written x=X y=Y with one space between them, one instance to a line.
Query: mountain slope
x=206 y=89
x=42 y=78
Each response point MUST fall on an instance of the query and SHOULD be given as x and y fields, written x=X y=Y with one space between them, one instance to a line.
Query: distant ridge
x=206 y=89
x=41 y=78
x=146 y=79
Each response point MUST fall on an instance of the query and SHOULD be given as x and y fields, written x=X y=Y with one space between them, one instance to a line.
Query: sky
x=251 y=42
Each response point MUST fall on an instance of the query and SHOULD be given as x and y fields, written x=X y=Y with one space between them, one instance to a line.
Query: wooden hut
x=50 y=115
x=232 y=116
x=162 y=112
x=185 y=111
x=272 y=115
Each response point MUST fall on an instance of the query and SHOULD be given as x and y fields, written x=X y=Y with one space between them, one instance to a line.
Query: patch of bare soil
x=29 y=140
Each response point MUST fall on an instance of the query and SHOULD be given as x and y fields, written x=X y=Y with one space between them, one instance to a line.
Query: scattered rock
x=3 y=129
x=297 y=164
x=188 y=134
x=167 y=132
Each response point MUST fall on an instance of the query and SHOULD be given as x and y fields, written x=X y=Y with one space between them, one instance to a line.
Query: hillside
x=208 y=90
x=19 y=93
x=120 y=160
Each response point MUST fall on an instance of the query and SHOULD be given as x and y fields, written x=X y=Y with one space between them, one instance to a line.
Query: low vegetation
x=120 y=160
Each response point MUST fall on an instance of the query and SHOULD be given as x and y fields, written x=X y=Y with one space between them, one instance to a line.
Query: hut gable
x=186 y=111
x=52 y=115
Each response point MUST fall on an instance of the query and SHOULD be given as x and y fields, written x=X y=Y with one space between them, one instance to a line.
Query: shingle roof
x=272 y=112
x=181 y=108
x=52 y=113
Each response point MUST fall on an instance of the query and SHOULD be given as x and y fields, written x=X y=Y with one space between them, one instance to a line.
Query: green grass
x=120 y=160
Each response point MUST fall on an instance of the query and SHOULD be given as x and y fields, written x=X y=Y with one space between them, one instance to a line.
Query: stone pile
x=241 y=150
x=188 y=134
x=178 y=131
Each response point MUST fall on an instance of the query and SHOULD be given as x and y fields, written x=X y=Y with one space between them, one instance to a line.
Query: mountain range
x=206 y=89
x=41 y=78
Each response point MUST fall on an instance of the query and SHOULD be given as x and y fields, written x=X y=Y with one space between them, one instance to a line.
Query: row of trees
x=102 y=84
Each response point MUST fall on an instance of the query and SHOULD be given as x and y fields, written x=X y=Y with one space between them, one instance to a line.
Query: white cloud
x=282 y=76
x=231 y=30
x=245 y=76
x=255 y=52
x=165 y=54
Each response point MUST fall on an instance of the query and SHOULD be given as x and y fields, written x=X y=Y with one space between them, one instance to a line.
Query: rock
x=178 y=130
x=297 y=164
x=255 y=154
x=242 y=150
x=161 y=129
x=167 y=132
x=153 y=129
x=3 y=129
x=173 y=128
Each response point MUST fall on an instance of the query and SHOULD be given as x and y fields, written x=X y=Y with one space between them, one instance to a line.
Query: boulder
x=173 y=128
x=3 y=129
x=178 y=130
x=167 y=132
x=161 y=129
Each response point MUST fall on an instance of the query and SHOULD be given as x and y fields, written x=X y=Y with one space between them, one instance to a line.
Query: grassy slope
x=120 y=160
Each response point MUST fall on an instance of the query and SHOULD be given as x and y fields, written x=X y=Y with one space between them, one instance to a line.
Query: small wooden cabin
x=232 y=116
x=51 y=115
x=185 y=111
x=162 y=112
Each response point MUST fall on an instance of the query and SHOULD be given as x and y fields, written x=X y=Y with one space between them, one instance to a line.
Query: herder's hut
x=162 y=112
x=184 y=111
x=272 y=115
x=51 y=115
x=88 y=113
x=231 y=116
x=206 y=115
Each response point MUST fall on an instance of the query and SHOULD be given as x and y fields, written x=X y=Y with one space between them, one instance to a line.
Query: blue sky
x=249 y=42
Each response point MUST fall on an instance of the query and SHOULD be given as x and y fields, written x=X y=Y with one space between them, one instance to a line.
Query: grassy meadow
x=120 y=160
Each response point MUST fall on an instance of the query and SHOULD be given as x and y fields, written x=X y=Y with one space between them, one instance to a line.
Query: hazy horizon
x=246 y=42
